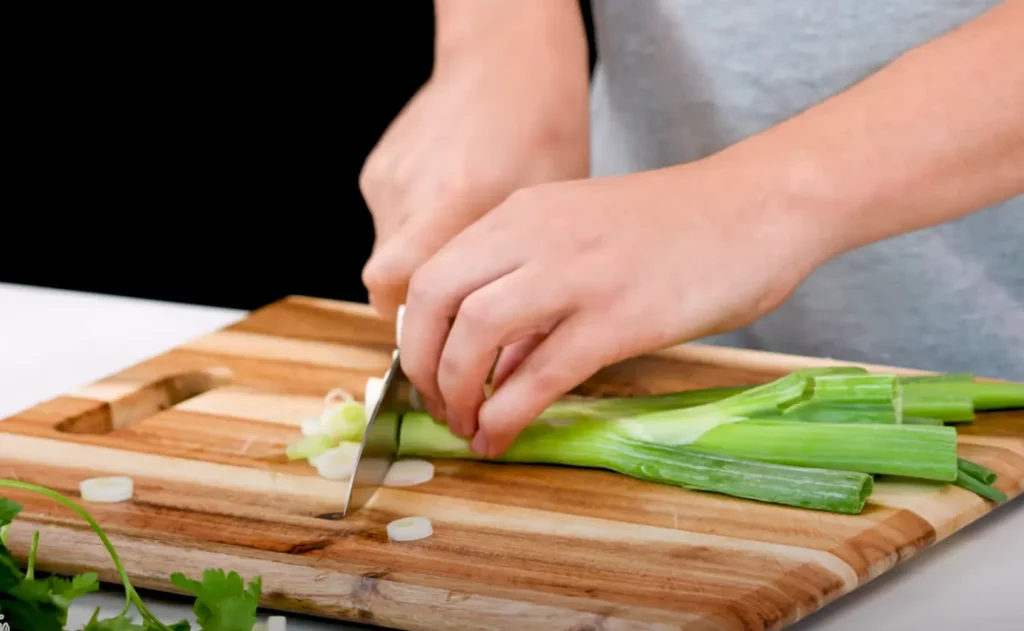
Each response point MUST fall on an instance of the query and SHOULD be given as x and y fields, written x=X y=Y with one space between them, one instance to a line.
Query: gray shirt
x=679 y=79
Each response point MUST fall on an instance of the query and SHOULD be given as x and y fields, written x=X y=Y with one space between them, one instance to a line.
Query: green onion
x=951 y=408
x=734 y=427
x=611 y=408
x=971 y=483
x=741 y=432
x=983 y=395
x=343 y=421
x=920 y=451
x=921 y=420
x=588 y=444
x=812 y=438
x=863 y=388
x=952 y=397
x=817 y=412
x=975 y=470
x=310 y=446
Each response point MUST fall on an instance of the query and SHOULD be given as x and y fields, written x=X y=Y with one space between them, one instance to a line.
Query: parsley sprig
x=223 y=601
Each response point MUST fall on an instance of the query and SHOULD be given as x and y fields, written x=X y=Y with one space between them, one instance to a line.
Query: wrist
x=496 y=32
x=792 y=196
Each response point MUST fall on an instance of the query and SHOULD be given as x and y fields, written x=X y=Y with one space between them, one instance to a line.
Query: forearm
x=934 y=136
x=523 y=33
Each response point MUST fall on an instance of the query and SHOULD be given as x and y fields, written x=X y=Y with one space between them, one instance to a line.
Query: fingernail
x=479 y=444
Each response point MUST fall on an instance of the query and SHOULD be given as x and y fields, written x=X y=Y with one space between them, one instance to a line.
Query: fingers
x=504 y=311
x=577 y=348
x=388 y=272
x=436 y=293
x=513 y=355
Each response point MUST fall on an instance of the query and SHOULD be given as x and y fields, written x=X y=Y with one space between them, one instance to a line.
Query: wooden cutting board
x=201 y=430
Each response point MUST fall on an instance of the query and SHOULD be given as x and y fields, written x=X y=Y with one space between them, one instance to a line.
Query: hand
x=483 y=126
x=570 y=277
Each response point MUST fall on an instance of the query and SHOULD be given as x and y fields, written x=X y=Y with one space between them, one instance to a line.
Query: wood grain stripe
x=543 y=523
x=945 y=506
x=313 y=321
x=256 y=345
x=294 y=378
x=236 y=401
x=258 y=406
x=29 y=449
x=389 y=599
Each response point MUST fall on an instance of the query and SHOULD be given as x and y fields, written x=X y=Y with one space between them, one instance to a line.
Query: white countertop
x=52 y=341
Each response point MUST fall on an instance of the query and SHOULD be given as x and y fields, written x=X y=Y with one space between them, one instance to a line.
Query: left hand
x=564 y=279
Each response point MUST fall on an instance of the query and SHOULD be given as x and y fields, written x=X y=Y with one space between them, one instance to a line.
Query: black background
x=147 y=140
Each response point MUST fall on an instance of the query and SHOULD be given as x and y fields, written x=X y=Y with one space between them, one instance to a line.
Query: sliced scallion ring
x=409 y=473
x=107 y=490
x=410 y=529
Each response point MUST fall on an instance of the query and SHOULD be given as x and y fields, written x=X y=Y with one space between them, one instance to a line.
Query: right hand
x=485 y=124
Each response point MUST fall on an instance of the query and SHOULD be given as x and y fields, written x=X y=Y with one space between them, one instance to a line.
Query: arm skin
x=528 y=30
x=565 y=275
x=505 y=107
x=936 y=135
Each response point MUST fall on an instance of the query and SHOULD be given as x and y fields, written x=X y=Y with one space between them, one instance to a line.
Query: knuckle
x=521 y=198
x=369 y=176
x=425 y=289
x=542 y=378
x=479 y=315
x=450 y=367
x=454 y=187
x=379 y=272
x=372 y=270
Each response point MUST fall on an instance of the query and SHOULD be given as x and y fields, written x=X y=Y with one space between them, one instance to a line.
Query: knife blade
x=379 y=447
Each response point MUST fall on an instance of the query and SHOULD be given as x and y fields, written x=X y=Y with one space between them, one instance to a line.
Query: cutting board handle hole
x=147 y=401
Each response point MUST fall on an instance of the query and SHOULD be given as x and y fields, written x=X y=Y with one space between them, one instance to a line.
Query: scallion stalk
x=975 y=470
x=920 y=451
x=921 y=420
x=983 y=395
x=951 y=408
x=587 y=444
x=952 y=397
x=971 y=483
x=611 y=408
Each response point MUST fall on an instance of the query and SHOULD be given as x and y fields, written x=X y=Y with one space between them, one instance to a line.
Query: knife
x=379 y=448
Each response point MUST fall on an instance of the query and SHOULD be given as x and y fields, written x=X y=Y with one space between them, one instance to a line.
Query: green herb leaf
x=8 y=511
x=77 y=586
x=223 y=601
x=22 y=611
x=10 y=571
x=119 y=623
